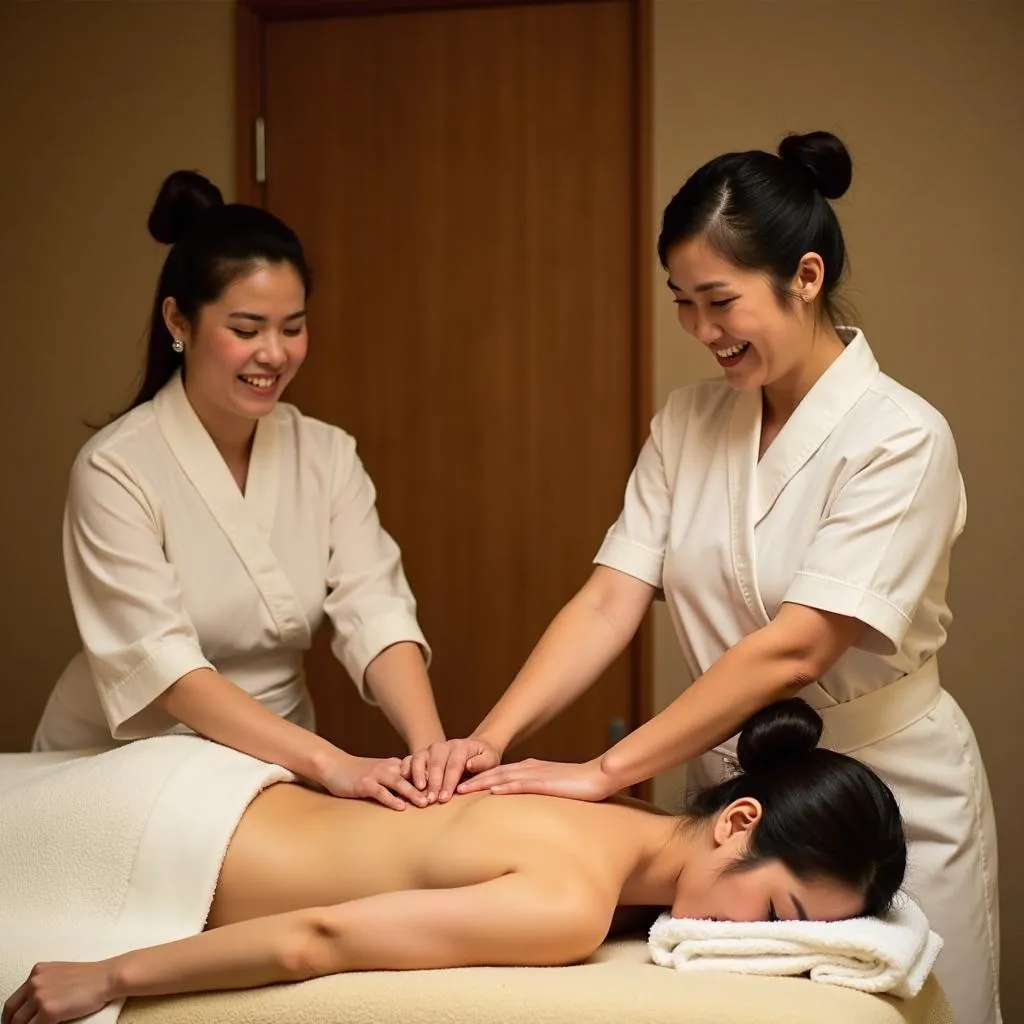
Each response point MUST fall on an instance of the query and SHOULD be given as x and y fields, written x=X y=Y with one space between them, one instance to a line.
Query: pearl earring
x=178 y=345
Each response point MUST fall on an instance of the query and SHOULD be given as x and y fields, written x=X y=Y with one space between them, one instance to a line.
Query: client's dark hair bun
x=184 y=197
x=779 y=732
x=824 y=157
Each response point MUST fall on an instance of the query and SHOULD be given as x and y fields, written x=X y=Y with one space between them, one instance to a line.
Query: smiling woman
x=798 y=516
x=211 y=528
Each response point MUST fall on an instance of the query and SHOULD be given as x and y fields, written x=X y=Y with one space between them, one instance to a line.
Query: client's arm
x=522 y=918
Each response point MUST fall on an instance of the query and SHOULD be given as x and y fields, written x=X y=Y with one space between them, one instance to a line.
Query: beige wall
x=929 y=97
x=100 y=101
x=106 y=97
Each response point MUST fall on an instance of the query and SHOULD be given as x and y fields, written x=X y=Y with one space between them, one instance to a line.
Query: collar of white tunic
x=833 y=395
x=203 y=464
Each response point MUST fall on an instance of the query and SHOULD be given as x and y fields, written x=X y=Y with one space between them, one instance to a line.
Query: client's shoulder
x=621 y=800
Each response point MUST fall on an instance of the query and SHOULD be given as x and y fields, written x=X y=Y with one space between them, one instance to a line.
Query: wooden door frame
x=251 y=19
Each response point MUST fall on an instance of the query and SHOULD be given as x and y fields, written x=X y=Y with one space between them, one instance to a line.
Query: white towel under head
x=893 y=955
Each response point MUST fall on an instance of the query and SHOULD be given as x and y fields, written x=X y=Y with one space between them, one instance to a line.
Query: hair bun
x=779 y=732
x=183 y=198
x=824 y=157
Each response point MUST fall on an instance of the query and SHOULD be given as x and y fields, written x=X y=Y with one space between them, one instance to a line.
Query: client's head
x=800 y=832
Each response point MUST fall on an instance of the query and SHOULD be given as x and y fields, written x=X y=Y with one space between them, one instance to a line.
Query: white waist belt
x=890 y=709
x=873 y=716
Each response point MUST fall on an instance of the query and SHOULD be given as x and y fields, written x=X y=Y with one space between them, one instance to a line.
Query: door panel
x=463 y=183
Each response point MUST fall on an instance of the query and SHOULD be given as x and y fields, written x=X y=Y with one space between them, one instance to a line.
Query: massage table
x=618 y=985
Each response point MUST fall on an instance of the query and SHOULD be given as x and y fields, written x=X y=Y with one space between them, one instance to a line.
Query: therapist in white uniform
x=798 y=515
x=210 y=528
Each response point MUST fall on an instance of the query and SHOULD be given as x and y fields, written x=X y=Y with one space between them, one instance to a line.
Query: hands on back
x=437 y=770
x=422 y=778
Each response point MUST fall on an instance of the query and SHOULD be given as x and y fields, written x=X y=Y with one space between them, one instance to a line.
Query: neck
x=232 y=435
x=663 y=850
x=784 y=395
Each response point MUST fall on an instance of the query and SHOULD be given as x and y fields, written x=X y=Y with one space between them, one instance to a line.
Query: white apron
x=852 y=509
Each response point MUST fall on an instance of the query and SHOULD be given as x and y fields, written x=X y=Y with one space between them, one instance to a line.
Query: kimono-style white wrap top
x=171 y=568
x=853 y=509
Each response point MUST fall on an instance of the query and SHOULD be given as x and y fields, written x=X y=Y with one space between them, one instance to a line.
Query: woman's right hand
x=56 y=992
x=438 y=769
x=372 y=778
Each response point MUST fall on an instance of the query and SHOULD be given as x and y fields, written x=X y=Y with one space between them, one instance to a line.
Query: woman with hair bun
x=211 y=527
x=797 y=515
x=802 y=832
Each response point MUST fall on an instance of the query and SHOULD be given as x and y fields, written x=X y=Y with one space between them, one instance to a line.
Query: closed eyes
x=717 y=303
x=289 y=332
x=801 y=913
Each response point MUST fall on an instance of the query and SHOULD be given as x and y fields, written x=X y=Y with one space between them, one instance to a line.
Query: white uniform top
x=853 y=509
x=171 y=568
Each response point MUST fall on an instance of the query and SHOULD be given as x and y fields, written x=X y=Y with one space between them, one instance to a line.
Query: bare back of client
x=297 y=848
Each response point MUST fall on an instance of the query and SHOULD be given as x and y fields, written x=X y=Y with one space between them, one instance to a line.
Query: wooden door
x=465 y=184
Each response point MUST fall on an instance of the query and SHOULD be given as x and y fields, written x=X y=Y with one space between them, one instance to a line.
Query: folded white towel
x=893 y=955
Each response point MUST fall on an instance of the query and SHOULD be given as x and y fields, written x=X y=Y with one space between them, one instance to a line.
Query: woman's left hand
x=59 y=992
x=549 y=778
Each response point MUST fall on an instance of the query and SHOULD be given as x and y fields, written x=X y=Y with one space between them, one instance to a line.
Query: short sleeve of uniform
x=636 y=542
x=125 y=595
x=886 y=535
x=369 y=602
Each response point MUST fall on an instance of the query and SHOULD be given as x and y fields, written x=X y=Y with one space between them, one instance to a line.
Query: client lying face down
x=314 y=885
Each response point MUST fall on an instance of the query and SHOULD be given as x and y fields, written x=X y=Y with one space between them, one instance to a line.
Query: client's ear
x=735 y=822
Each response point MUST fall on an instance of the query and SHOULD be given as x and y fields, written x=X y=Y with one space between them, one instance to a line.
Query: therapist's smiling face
x=245 y=348
x=757 y=336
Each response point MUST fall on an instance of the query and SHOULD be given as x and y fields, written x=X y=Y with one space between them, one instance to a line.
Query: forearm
x=244 y=955
x=743 y=680
x=216 y=708
x=398 y=680
x=581 y=642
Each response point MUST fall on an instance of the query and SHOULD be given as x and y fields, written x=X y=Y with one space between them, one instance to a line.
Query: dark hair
x=765 y=212
x=824 y=814
x=212 y=244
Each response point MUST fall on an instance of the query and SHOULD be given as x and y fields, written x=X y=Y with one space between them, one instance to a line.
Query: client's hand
x=59 y=992
x=372 y=778
x=550 y=778
x=437 y=769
